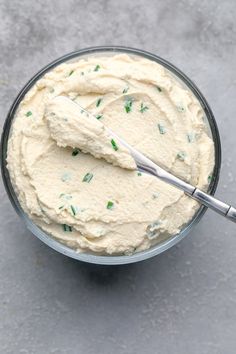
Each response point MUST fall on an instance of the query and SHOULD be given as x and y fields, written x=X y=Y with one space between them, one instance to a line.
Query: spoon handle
x=209 y=201
x=213 y=203
x=144 y=164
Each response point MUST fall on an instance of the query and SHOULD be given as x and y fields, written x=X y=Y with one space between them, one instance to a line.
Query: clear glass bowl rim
x=92 y=258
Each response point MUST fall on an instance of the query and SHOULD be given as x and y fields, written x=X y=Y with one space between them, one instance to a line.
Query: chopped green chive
x=28 y=114
x=82 y=73
x=61 y=207
x=114 y=145
x=209 y=178
x=97 y=67
x=152 y=230
x=181 y=156
x=99 y=116
x=65 y=177
x=161 y=128
x=73 y=209
x=128 y=105
x=129 y=252
x=75 y=152
x=143 y=108
x=110 y=205
x=139 y=174
x=65 y=196
x=87 y=178
x=180 y=108
x=71 y=72
x=159 y=89
x=126 y=90
x=190 y=137
x=67 y=228
x=98 y=102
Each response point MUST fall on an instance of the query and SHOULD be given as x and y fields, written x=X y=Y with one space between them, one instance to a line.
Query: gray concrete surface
x=183 y=301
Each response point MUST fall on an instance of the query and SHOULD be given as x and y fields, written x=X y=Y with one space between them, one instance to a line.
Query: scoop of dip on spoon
x=71 y=125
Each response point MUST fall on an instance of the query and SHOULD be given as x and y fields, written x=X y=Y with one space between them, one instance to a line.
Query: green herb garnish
x=65 y=177
x=71 y=72
x=99 y=116
x=61 y=207
x=181 y=156
x=159 y=89
x=143 y=108
x=73 y=209
x=114 y=145
x=28 y=114
x=128 y=105
x=130 y=251
x=139 y=174
x=209 y=178
x=75 y=152
x=110 y=205
x=67 y=228
x=97 y=67
x=161 y=128
x=98 y=102
x=180 y=108
x=190 y=137
x=87 y=178
x=152 y=231
x=65 y=196
x=82 y=73
x=126 y=90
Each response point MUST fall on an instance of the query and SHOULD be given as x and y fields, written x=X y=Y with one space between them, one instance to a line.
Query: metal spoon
x=144 y=164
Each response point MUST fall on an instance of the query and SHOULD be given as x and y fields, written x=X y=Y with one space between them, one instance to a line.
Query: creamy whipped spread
x=81 y=186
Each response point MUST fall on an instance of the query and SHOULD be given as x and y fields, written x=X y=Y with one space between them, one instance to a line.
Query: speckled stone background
x=183 y=301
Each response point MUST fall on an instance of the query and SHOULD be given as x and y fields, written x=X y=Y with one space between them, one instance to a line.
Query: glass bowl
x=91 y=258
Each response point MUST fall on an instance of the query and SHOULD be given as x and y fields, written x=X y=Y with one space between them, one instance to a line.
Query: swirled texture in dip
x=86 y=202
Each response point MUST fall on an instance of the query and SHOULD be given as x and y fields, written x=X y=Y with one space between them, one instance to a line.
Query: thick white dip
x=92 y=199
